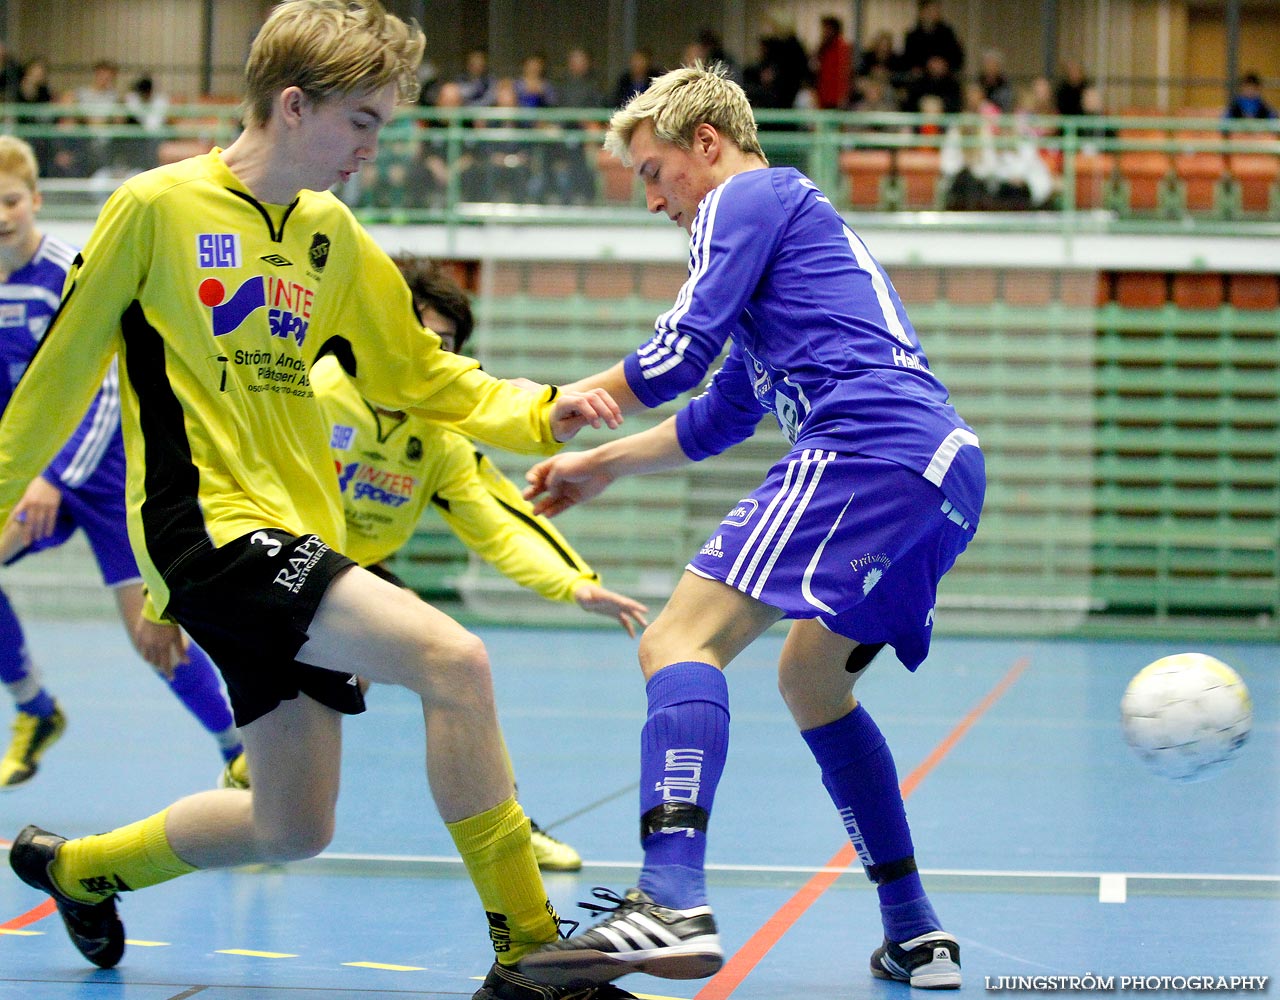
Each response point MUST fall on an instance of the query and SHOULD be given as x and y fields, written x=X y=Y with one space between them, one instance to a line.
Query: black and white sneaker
x=928 y=962
x=507 y=983
x=95 y=928
x=638 y=935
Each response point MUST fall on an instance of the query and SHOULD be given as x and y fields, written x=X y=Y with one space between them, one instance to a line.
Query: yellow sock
x=133 y=857
x=495 y=848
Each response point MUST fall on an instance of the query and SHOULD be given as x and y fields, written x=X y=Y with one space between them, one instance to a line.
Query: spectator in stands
x=150 y=109
x=477 y=86
x=832 y=65
x=1036 y=101
x=579 y=87
x=10 y=74
x=508 y=164
x=1248 y=101
x=533 y=89
x=968 y=155
x=938 y=80
x=931 y=36
x=99 y=105
x=33 y=88
x=713 y=51
x=785 y=56
x=640 y=70
x=873 y=93
x=995 y=85
x=880 y=59
x=573 y=178
x=1067 y=96
x=1092 y=137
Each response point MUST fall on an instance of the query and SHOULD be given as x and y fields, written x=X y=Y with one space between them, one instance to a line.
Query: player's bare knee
x=295 y=841
x=462 y=678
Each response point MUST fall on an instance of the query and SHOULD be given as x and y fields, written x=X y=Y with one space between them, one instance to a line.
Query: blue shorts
x=858 y=543
x=97 y=507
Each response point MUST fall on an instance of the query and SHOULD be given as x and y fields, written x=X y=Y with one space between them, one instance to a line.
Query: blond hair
x=327 y=48
x=678 y=102
x=18 y=160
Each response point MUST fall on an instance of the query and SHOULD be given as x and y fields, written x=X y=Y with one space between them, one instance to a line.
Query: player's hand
x=564 y=480
x=37 y=511
x=162 y=645
x=629 y=613
x=571 y=411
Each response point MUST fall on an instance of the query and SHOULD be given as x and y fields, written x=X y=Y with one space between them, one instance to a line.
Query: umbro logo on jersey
x=277 y=260
x=715 y=547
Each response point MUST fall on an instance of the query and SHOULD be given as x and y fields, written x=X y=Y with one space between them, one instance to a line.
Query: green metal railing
x=431 y=162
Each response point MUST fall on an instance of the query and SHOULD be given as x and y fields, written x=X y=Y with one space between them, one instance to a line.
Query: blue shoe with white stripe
x=638 y=935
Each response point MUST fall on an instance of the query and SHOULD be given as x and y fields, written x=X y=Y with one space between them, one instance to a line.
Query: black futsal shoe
x=95 y=928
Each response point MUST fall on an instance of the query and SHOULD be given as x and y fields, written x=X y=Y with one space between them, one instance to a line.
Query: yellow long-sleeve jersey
x=391 y=468
x=218 y=306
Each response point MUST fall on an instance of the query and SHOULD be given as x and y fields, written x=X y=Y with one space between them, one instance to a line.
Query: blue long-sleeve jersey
x=820 y=339
x=28 y=301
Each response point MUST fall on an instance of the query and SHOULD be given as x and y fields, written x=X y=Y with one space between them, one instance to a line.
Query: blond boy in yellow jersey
x=219 y=281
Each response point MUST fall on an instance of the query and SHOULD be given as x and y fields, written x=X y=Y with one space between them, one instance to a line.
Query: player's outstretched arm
x=575 y=477
x=627 y=611
x=572 y=411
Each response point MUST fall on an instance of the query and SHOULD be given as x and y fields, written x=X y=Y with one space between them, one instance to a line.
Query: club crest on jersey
x=218 y=249
x=413 y=450
x=319 y=252
x=288 y=305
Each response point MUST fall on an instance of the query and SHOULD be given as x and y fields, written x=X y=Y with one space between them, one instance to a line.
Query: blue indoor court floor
x=1047 y=848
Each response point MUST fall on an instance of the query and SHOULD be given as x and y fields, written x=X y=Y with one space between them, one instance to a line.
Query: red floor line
x=762 y=941
x=30 y=917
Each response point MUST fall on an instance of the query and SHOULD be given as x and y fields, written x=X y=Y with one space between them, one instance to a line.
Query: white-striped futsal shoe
x=928 y=962
x=638 y=935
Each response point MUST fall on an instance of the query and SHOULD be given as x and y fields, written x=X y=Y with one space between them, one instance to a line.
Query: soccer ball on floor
x=1186 y=715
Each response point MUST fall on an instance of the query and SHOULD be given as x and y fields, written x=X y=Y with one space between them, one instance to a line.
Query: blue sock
x=17 y=673
x=196 y=685
x=859 y=774
x=682 y=751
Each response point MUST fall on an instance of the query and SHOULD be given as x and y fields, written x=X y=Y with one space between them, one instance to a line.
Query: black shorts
x=249 y=605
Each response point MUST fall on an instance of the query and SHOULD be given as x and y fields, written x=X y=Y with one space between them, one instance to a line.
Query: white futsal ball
x=1186 y=715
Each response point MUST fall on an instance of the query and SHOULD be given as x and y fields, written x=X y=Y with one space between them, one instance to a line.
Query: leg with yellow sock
x=297 y=746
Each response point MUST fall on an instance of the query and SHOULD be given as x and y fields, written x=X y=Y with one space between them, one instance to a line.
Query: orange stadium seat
x=1095 y=173
x=1256 y=174
x=971 y=286
x=919 y=171
x=616 y=181
x=1028 y=287
x=1254 y=291
x=1141 y=289
x=1144 y=171
x=1201 y=171
x=866 y=169
x=917 y=285
x=1198 y=290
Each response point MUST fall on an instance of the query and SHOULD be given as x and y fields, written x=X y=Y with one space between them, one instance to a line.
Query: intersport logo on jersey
x=288 y=305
